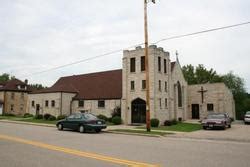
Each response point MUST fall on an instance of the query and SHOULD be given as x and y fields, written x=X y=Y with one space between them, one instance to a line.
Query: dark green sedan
x=81 y=122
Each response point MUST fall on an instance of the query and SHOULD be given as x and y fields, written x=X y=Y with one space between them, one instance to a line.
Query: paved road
x=29 y=146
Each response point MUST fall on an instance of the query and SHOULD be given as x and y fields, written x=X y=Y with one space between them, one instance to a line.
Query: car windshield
x=248 y=113
x=216 y=116
x=89 y=116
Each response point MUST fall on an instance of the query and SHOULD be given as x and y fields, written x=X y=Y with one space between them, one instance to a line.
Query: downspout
x=61 y=105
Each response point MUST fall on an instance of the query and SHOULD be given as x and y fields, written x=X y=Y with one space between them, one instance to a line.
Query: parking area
x=238 y=132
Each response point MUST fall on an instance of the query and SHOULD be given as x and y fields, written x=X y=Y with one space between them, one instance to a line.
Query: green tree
x=37 y=86
x=6 y=77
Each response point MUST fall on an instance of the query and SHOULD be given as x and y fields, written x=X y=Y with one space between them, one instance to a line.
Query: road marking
x=77 y=152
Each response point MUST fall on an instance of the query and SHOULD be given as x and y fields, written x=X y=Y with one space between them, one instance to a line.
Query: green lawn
x=181 y=127
x=32 y=120
x=152 y=133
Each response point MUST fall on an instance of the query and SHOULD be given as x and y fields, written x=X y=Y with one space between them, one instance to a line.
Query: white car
x=247 y=117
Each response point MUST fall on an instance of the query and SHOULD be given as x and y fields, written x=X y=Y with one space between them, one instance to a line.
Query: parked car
x=219 y=120
x=81 y=122
x=247 y=117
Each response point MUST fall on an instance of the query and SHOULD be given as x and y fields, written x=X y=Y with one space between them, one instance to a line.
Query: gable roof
x=12 y=85
x=100 y=85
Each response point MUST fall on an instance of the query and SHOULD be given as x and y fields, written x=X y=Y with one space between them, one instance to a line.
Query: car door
x=77 y=121
x=69 y=122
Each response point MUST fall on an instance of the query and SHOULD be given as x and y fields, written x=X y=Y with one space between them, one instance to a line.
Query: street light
x=147 y=66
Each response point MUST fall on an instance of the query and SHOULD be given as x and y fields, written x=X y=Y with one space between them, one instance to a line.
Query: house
x=14 y=97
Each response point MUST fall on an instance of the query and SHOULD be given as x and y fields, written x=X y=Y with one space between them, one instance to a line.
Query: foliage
x=8 y=114
x=46 y=116
x=39 y=116
x=174 y=122
x=6 y=77
x=61 y=117
x=116 y=112
x=117 y=120
x=37 y=86
x=27 y=115
x=154 y=122
x=103 y=117
x=167 y=123
x=51 y=118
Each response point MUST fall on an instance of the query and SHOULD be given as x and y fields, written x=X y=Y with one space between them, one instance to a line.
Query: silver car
x=247 y=117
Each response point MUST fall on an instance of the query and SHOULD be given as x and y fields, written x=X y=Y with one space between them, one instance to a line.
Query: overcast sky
x=36 y=35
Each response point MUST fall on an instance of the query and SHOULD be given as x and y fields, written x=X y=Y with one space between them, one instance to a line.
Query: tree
x=6 y=77
x=37 y=86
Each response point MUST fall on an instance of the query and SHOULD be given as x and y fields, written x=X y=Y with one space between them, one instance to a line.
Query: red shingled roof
x=12 y=85
x=101 y=85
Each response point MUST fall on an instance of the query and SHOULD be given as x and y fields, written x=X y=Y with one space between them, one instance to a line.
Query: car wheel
x=60 y=127
x=223 y=127
x=204 y=127
x=229 y=126
x=81 y=129
x=98 y=130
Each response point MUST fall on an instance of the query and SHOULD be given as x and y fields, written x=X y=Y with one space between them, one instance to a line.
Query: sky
x=36 y=35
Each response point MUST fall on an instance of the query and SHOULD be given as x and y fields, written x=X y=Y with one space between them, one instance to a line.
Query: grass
x=180 y=127
x=29 y=119
x=152 y=133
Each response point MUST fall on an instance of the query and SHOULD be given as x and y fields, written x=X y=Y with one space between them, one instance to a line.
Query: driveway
x=238 y=132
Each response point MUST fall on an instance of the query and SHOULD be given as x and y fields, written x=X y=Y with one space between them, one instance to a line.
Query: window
x=132 y=64
x=166 y=86
x=12 y=107
x=143 y=84
x=80 y=103
x=159 y=64
x=165 y=66
x=53 y=103
x=132 y=85
x=160 y=102
x=166 y=103
x=143 y=63
x=210 y=107
x=159 y=85
x=33 y=103
x=101 y=104
x=46 y=103
x=179 y=94
x=12 y=95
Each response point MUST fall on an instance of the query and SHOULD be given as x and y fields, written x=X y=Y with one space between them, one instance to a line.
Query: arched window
x=179 y=94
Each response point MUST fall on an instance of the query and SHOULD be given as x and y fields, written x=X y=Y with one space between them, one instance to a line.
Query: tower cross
x=202 y=91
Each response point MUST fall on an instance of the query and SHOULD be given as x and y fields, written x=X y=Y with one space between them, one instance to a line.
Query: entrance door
x=138 y=107
x=37 y=109
x=1 y=109
x=195 y=111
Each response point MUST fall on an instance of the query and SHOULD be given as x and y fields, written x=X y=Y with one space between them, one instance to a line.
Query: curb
x=27 y=123
x=134 y=134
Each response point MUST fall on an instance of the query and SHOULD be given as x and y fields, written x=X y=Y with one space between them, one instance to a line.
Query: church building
x=103 y=92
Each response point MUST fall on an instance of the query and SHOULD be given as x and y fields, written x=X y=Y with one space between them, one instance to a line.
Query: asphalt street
x=34 y=146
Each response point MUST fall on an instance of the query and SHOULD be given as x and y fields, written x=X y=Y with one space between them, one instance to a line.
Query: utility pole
x=147 y=66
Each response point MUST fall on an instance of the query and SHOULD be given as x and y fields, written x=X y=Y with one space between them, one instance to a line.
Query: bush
x=154 y=122
x=61 y=117
x=167 y=123
x=27 y=115
x=174 y=122
x=8 y=114
x=102 y=117
x=46 y=116
x=39 y=116
x=51 y=118
x=116 y=112
x=117 y=120
x=110 y=119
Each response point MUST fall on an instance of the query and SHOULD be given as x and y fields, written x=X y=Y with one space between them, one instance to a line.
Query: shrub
x=39 y=116
x=180 y=119
x=8 y=114
x=154 y=122
x=61 y=117
x=110 y=119
x=51 y=118
x=167 y=123
x=102 y=117
x=116 y=112
x=174 y=122
x=27 y=115
x=46 y=116
x=117 y=120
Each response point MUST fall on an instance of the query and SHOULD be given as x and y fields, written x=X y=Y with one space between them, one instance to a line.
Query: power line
x=120 y=50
